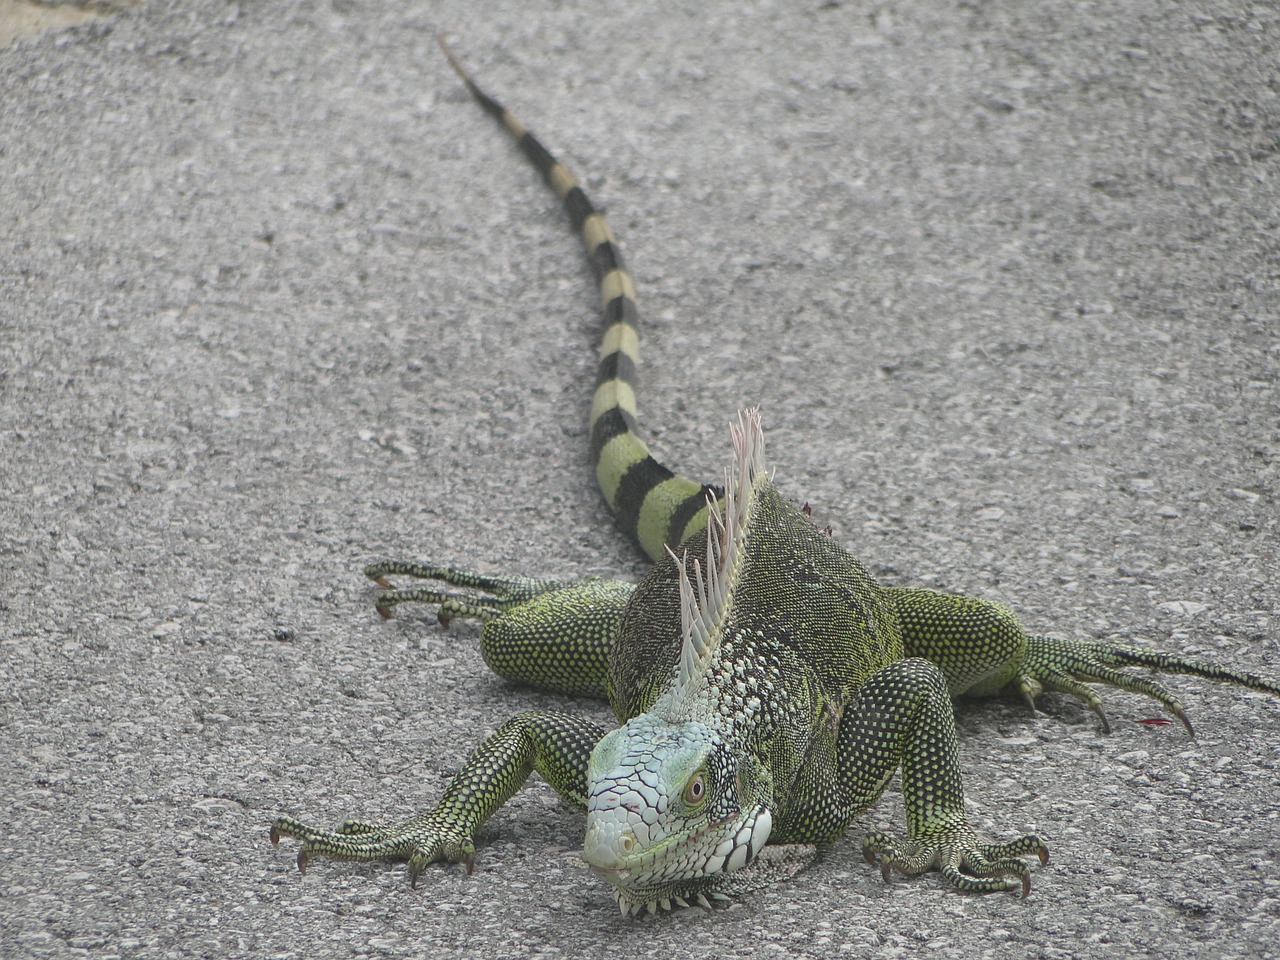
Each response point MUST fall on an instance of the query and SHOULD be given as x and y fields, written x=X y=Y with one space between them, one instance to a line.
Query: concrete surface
x=277 y=299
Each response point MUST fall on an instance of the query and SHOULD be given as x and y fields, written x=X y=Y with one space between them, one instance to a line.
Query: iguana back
x=799 y=586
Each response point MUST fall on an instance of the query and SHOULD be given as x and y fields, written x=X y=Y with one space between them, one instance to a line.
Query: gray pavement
x=276 y=299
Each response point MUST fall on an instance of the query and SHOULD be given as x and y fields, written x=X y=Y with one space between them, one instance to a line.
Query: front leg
x=555 y=744
x=553 y=636
x=902 y=717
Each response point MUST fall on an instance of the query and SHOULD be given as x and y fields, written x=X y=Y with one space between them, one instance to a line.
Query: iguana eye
x=696 y=790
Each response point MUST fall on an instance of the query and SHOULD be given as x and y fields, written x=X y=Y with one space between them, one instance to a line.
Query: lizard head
x=672 y=814
x=678 y=804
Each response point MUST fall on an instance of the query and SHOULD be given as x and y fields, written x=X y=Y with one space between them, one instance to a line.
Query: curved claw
x=869 y=855
x=423 y=857
x=1102 y=717
x=1181 y=714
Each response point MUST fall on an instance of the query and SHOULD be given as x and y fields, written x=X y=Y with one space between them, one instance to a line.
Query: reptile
x=767 y=688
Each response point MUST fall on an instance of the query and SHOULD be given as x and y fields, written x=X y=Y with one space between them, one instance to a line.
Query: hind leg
x=978 y=645
x=982 y=649
x=550 y=635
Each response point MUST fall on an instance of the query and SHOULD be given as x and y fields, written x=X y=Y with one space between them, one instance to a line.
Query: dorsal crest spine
x=706 y=595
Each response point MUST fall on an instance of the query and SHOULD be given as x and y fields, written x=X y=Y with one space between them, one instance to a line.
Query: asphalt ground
x=277 y=300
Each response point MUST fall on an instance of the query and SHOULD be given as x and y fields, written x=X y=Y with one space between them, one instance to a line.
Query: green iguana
x=767 y=686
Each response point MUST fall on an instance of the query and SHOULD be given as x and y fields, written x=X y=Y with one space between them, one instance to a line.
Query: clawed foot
x=421 y=841
x=1068 y=666
x=499 y=594
x=964 y=862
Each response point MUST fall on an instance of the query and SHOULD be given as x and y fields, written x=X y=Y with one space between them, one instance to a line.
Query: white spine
x=707 y=595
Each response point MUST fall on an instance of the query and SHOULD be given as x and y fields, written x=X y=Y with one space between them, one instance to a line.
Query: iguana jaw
x=684 y=868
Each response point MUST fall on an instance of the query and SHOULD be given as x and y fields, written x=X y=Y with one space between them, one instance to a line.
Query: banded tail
x=655 y=507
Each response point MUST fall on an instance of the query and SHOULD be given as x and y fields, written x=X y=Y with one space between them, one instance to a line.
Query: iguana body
x=767 y=686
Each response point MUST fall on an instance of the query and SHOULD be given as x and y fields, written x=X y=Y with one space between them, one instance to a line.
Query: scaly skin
x=766 y=693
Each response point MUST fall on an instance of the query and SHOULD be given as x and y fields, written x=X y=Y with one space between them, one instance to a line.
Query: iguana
x=767 y=687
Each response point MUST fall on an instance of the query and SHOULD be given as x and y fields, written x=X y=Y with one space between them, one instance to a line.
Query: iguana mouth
x=769 y=865
x=648 y=863
x=692 y=866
